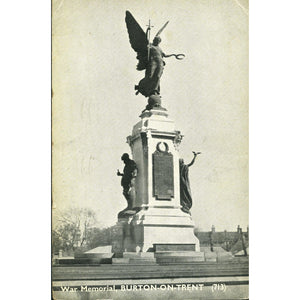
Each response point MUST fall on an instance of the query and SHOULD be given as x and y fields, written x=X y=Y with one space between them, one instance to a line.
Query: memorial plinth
x=159 y=224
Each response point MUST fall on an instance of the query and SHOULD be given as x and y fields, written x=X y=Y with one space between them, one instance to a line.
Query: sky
x=94 y=106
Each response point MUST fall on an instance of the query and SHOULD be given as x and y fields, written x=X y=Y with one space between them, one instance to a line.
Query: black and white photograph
x=150 y=137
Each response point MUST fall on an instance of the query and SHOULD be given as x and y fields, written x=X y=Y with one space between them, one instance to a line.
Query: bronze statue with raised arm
x=185 y=189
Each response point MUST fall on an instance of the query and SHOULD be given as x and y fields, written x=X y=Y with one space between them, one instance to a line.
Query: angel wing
x=138 y=40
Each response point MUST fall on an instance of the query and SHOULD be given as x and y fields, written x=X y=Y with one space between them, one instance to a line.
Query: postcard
x=150 y=149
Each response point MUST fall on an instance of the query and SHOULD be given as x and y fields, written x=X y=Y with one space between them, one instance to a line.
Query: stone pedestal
x=122 y=237
x=159 y=222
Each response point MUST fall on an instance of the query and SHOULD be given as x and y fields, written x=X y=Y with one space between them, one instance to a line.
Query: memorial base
x=156 y=229
x=164 y=229
x=158 y=224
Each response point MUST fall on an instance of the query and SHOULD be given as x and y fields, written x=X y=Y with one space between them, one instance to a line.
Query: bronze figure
x=185 y=189
x=127 y=182
x=150 y=58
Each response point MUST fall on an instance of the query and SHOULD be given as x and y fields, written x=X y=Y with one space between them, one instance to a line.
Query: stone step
x=160 y=257
x=174 y=247
x=84 y=261
x=128 y=271
x=210 y=256
x=136 y=258
x=216 y=249
x=179 y=259
x=94 y=255
x=191 y=256
x=225 y=258
x=139 y=255
x=118 y=261
x=142 y=262
x=165 y=257
x=178 y=253
x=153 y=269
x=130 y=255
x=142 y=259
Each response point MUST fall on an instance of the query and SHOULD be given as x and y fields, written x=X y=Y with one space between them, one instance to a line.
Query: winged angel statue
x=150 y=58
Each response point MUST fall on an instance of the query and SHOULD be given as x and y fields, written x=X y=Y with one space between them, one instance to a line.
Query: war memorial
x=155 y=253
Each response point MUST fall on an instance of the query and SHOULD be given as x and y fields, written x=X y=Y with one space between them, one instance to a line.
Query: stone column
x=159 y=223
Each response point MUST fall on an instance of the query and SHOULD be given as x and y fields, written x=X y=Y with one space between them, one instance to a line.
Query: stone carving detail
x=144 y=137
x=177 y=140
x=129 y=140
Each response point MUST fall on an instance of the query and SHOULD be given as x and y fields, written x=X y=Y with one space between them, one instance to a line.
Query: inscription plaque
x=163 y=175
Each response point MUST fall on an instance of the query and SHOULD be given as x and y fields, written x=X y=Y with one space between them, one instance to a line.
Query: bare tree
x=70 y=228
